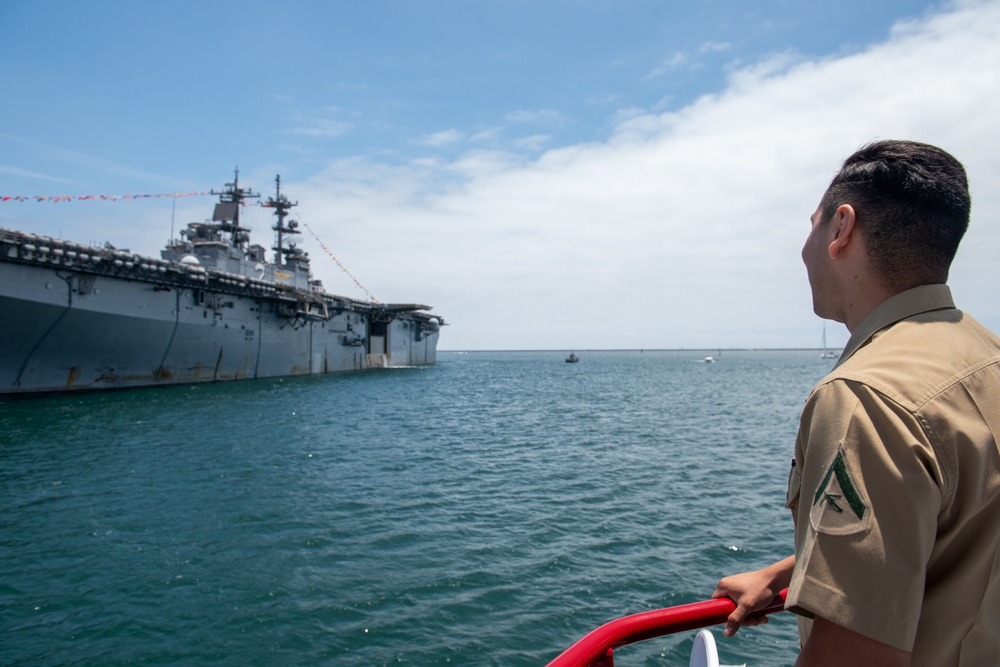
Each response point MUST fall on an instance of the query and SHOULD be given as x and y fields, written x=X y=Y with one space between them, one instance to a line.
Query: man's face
x=816 y=256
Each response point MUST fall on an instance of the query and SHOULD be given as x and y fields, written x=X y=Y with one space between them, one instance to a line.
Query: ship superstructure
x=75 y=317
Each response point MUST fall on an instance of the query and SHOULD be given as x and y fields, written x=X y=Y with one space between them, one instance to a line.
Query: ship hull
x=69 y=325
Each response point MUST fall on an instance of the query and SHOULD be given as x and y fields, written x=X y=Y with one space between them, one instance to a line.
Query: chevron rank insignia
x=839 y=506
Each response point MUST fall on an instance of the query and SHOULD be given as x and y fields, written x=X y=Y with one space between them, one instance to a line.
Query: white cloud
x=439 y=139
x=487 y=135
x=715 y=47
x=673 y=63
x=682 y=229
x=322 y=128
x=26 y=173
x=324 y=123
x=533 y=143
x=601 y=100
x=536 y=116
x=90 y=164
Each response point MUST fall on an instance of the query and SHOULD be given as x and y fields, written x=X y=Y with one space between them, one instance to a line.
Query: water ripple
x=487 y=511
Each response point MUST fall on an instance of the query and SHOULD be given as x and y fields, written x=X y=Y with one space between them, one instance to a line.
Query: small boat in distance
x=709 y=359
x=572 y=358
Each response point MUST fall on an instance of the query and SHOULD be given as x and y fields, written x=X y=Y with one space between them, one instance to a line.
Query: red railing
x=595 y=648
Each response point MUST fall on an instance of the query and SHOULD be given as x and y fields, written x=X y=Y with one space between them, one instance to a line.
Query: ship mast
x=227 y=211
x=281 y=206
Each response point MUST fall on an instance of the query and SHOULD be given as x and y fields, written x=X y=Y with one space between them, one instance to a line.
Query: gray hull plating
x=78 y=318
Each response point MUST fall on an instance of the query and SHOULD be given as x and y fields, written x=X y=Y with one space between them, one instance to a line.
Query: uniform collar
x=898 y=307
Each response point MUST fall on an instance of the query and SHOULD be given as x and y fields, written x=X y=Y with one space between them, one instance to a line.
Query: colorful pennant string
x=337 y=261
x=61 y=198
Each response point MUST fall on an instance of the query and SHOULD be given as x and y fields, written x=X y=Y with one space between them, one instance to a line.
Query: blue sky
x=545 y=174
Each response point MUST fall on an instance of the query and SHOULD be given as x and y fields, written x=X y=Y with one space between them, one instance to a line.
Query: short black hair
x=912 y=205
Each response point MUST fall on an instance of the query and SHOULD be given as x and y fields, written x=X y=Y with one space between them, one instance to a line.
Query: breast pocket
x=794 y=486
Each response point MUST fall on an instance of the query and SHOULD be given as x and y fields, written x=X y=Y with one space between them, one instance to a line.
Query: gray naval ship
x=211 y=308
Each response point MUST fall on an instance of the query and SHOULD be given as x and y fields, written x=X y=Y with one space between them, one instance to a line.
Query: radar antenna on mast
x=227 y=211
x=281 y=206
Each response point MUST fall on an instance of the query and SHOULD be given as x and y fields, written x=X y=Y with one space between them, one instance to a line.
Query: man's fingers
x=735 y=620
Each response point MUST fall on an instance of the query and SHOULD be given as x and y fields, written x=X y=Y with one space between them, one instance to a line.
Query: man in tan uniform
x=895 y=484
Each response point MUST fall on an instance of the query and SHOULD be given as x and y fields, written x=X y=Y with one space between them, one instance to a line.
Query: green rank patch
x=839 y=506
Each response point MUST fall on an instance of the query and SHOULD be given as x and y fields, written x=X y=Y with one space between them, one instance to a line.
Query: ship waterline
x=79 y=318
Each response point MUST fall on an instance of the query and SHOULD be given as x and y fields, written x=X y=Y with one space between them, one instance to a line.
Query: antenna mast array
x=227 y=211
x=281 y=206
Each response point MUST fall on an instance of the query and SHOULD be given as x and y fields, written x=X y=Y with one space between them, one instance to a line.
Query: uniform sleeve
x=865 y=515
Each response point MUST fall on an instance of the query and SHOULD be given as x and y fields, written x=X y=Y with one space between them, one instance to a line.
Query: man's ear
x=844 y=223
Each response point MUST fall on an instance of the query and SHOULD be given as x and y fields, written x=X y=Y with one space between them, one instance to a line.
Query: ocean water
x=489 y=510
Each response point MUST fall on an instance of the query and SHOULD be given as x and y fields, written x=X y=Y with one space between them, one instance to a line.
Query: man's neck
x=866 y=296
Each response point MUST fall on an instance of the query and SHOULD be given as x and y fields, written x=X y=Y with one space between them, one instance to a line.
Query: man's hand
x=752 y=591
